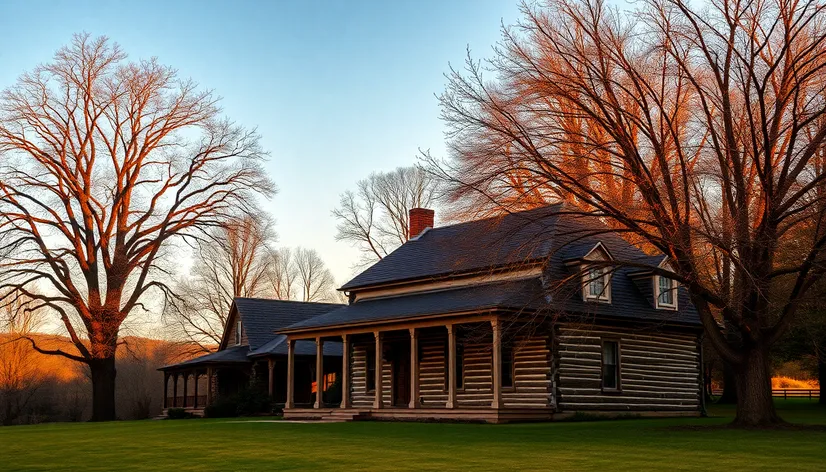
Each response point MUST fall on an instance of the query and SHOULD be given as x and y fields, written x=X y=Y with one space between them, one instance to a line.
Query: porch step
x=341 y=416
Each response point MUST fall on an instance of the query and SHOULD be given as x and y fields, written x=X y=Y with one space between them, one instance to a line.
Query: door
x=401 y=376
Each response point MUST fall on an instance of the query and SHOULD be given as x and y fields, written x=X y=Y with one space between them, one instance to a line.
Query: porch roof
x=512 y=294
x=232 y=355
x=278 y=346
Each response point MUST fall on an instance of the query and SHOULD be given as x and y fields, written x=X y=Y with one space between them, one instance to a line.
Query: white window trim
x=238 y=327
x=605 y=296
x=657 y=303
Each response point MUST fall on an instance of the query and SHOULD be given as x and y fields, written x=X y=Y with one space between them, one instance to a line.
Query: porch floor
x=470 y=415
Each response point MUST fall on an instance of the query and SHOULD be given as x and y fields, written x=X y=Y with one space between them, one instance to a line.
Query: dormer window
x=597 y=285
x=238 y=333
x=666 y=292
x=665 y=289
x=596 y=275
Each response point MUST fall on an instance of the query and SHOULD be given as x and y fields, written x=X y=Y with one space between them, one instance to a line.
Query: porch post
x=290 y=373
x=378 y=400
x=195 y=395
x=175 y=391
x=319 y=372
x=451 y=366
x=345 y=371
x=497 y=364
x=271 y=378
x=186 y=385
x=414 y=368
x=210 y=374
x=165 y=390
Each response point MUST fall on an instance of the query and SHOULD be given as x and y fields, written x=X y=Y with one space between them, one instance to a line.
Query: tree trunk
x=729 y=395
x=103 y=388
x=821 y=377
x=755 y=406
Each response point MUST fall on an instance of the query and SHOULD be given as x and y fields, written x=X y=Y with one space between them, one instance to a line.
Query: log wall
x=658 y=371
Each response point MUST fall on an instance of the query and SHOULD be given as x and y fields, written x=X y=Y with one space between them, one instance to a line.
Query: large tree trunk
x=103 y=388
x=755 y=406
x=821 y=377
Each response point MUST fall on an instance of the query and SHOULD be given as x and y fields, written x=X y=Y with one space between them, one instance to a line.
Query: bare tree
x=105 y=163
x=375 y=216
x=708 y=123
x=312 y=277
x=231 y=261
x=20 y=377
x=282 y=274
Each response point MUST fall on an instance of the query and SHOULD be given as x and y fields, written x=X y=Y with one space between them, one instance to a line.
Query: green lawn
x=252 y=445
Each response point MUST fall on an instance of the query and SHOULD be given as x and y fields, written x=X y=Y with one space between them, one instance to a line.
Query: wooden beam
x=195 y=395
x=210 y=375
x=319 y=372
x=186 y=385
x=175 y=391
x=165 y=390
x=414 y=368
x=451 y=366
x=345 y=371
x=497 y=364
x=290 y=374
x=427 y=321
x=377 y=400
x=271 y=378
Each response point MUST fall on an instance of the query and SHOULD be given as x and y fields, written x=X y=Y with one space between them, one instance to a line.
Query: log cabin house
x=252 y=353
x=536 y=315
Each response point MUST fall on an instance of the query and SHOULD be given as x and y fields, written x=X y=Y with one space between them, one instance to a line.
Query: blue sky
x=337 y=89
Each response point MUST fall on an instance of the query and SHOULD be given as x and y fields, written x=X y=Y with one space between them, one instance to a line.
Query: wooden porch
x=424 y=370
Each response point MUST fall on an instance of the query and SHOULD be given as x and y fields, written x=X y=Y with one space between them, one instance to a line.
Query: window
x=666 y=289
x=238 y=333
x=507 y=366
x=610 y=365
x=371 y=368
x=597 y=284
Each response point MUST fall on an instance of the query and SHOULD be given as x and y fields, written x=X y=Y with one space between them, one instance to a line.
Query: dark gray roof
x=545 y=234
x=475 y=245
x=510 y=294
x=232 y=355
x=523 y=294
x=278 y=346
x=262 y=317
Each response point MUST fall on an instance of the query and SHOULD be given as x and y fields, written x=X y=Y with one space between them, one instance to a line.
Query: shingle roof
x=474 y=245
x=278 y=346
x=546 y=234
x=510 y=294
x=261 y=317
x=232 y=355
x=523 y=294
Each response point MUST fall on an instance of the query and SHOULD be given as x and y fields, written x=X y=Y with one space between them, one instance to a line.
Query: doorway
x=401 y=375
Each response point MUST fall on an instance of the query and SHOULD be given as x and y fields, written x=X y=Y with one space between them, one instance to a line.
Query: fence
x=786 y=393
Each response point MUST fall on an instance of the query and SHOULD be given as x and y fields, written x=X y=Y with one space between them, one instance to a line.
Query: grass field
x=249 y=444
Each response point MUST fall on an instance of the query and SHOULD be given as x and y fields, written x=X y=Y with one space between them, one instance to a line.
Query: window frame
x=588 y=280
x=658 y=292
x=238 y=337
x=618 y=366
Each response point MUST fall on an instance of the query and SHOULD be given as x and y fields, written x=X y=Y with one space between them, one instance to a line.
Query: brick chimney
x=420 y=220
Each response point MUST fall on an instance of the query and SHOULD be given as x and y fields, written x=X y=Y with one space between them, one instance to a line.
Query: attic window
x=666 y=292
x=597 y=285
x=238 y=333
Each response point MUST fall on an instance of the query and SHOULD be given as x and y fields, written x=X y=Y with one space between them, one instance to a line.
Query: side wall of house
x=659 y=371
